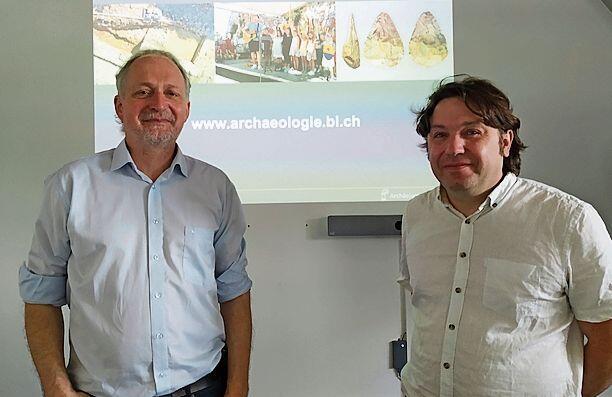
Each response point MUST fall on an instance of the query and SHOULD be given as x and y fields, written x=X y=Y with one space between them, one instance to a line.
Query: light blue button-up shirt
x=143 y=266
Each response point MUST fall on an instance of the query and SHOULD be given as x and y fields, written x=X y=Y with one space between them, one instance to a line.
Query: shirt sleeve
x=42 y=278
x=230 y=249
x=590 y=261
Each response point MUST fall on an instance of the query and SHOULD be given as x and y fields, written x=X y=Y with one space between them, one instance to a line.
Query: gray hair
x=122 y=72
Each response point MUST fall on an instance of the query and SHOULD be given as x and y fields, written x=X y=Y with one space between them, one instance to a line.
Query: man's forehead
x=455 y=111
x=476 y=122
x=150 y=64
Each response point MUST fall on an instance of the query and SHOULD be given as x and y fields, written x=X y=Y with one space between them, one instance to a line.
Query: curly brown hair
x=484 y=100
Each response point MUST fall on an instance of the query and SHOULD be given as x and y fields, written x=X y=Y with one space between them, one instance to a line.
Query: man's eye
x=438 y=134
x=141 y=93
x=472 y=132
x=173 y=94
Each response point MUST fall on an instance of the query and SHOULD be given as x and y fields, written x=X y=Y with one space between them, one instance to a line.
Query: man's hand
x=44 y=326
x=597 y=375
x=71 y=393
x=237 y=319
x=229 y=394
x=236 y=390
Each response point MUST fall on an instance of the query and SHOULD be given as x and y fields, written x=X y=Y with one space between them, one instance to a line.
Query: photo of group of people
x=276 y=41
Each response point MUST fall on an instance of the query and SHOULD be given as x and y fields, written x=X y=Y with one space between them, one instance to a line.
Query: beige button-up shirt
x=494 y=296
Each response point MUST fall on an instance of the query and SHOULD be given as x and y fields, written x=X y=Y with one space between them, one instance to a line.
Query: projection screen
x=295 y=101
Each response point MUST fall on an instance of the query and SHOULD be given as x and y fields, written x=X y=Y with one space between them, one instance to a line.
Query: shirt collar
x=121 y=157
x=493 y=199
x=180 y=162
x=502 y=189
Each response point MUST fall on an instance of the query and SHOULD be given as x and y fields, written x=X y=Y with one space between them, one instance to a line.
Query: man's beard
x=157 y=135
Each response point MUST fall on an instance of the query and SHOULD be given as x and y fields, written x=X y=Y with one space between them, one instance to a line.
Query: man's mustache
x=165 y=115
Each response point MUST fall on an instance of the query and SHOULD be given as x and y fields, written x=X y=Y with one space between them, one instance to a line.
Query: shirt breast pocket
x=510 y=287
x=199 y=255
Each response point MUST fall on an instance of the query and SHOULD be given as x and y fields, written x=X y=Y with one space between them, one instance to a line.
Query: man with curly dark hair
x=506 y=275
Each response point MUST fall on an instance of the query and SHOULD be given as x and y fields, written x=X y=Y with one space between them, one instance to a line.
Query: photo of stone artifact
x=427 y=45
x=383 y=46
x=350 y=50
x=186 y=30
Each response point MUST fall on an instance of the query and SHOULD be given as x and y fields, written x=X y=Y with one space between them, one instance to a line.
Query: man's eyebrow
x=471 y=123
x=464 y=124
x=151 y=85
x=142 y=84
x=172 y=86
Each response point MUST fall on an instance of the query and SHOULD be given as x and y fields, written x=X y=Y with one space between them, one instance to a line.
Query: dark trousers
x=217 y=390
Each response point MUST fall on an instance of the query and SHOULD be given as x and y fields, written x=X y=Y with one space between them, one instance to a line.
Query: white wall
x=324 y=308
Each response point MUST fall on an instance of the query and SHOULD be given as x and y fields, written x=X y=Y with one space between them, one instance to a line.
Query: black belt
x=218 y=374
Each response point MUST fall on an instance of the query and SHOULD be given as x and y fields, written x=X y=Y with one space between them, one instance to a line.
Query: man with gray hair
x=146 y=247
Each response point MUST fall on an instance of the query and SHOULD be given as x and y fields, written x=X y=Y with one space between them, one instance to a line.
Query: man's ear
x=505 y=142
x=188 y=109
x=118 y=107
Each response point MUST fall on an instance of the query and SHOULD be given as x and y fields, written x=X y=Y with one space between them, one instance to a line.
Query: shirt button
x=161 y=374
x=155 y=257
x=451 y=326
x=159 y=335
x=446 y=365
x=458 y=290
x=463 y=254
x=468 y=221
x=158 y=295
x=156 y=221
x=154 y=187
x=494 y=205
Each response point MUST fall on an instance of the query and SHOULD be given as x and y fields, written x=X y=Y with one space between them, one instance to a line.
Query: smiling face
x=465 y=155
x=153 y=103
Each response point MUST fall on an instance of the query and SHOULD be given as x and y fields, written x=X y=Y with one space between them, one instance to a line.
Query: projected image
x=339 y=129
x=276 y=41
x=186 y=30
x=428 y=44
x=384 y=46
x=387 y=40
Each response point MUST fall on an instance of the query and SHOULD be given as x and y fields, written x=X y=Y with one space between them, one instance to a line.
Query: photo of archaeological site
x=186 y=30
x=276 y=41
x=281 y=41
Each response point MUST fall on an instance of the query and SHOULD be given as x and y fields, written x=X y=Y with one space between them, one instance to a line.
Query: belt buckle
x=203 y=383
x=182 y=392
x=195 y=387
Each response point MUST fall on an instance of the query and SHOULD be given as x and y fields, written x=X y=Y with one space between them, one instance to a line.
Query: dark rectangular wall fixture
x=364 y=225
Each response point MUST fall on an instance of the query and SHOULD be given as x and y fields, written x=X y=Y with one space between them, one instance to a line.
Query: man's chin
x=159 y=138
x=458 y=185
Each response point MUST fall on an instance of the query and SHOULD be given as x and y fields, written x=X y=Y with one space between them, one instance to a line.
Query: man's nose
x=455 y=145
x=158 y=100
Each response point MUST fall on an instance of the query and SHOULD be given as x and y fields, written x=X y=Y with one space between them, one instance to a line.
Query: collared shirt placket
x=453 y=318
x=157 y=273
